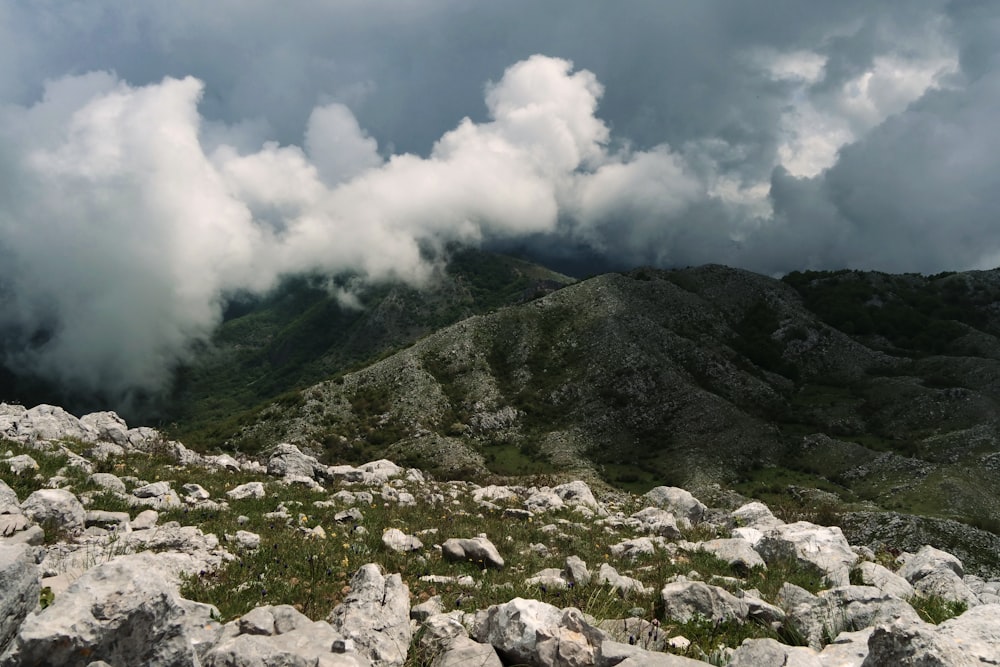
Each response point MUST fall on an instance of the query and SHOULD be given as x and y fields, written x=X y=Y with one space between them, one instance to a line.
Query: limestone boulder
x=106 y=426
x=375 y=615
x=739 y=553
x=476 y=549
x=536 y=633
x=677 y=501
x=578 y=494
x=122 y=612
x=20 y=584
x=887 y=581
x=927 y=561
x=655 y=521
x=57 y=508
x=905 y=642
x=822 y=546
x=248 y=490
x=397 y=540
x=287 y=460
x=685 y=600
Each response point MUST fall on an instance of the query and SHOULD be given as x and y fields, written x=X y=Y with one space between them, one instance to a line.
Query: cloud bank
x=155 y=159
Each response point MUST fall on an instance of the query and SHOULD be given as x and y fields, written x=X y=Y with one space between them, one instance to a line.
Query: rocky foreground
x=102 y=539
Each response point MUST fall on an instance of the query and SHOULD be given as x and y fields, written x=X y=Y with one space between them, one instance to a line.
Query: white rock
x=106 y=480
x=477 y=549
x=736 y=552
x=21 y=464
x=122 y=612
x=678 y=501
x=929 y=560
x=248 y=490
x=577 y=493
x=535 y=633
x=376 y=615
x=20 y=584
x=399 y=541
x=683 y=601
x=145 y=519
x=822 y=546
x=655 y=521
x=756 y=515
x=56 y=507
x=609 y=576
x=885 y=580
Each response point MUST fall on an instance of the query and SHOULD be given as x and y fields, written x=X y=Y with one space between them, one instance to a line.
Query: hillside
x=848 y=390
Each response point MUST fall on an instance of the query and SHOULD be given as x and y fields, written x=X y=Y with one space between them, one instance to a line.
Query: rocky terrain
x=121 y=547
x=852 y=391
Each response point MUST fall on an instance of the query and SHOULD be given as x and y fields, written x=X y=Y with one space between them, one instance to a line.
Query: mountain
x=843 y=389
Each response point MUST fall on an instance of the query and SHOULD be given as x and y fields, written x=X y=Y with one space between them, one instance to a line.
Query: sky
x=157 y=157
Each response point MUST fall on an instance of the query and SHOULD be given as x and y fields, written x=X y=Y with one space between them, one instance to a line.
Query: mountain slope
x=691 y=377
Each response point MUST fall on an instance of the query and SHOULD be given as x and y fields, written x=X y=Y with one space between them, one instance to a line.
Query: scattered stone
x=756 y=515
x=655 y=521
x=287 y=460
x=578 y=494
x=927 y=561
x=737 y=552
x=56 y=508
x=397 y=540
x=476 y=549
x=683 y=601
x=425 y=610
x=608 y=575
x=21 y=464
x=247 y=540
x=145 y=520
x=885 y=580
x=640 y=546
x=353 y=514
x=196 y=492
x=248 y=490
x=463 y=651
x=678 y=501
x=576 y=571
x=106 y=480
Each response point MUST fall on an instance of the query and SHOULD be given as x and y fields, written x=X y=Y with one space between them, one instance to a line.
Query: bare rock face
x=535 y=633
x=20 y=584
x=375 y=615
x=122 y=612
x=735 y=551
x=927 y=561
x=476 y=549
x=56 y=507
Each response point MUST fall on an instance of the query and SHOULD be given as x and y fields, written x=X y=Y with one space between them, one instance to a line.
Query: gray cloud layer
x=155 y=156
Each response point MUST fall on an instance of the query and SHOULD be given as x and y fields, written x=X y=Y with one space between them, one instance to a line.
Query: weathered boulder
x=56 y=508
x=634 y=548
x=678 y=501
x=49 y=422
x=463 y=652
x=248 y=490
x=122 y=612
x=21 y=464
x=947 y=585
x=756 y=515
x=108 y=481
x=655 y=521
x=608 y=576
x=927 y=561
x=905 y=642
x=822 y=546
x=825 y=615
x=977 y=631
x=376 y=616
x=761 y=652
x=107 y=426
x=543 y=500
x=576 y=571
x=737 y=552
x=280 y=635
x=8 y=500
x=577 y=493
x=885 y=580
x=20 y=584
x=476 y=549
x=397 y=540
x=286 y=460
x=685 y=600
x=535 y=633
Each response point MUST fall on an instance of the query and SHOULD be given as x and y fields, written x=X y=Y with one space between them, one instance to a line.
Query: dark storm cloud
x=155 y=156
